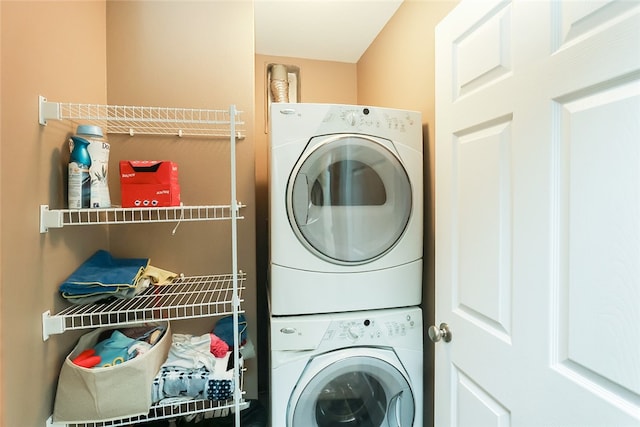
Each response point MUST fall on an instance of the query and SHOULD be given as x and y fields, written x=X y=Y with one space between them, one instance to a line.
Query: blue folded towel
x=103 y=275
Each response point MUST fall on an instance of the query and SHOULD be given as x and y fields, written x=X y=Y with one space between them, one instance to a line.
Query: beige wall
x=398 y=70
x=60 y=54
x=194 y=55
x=183 y=54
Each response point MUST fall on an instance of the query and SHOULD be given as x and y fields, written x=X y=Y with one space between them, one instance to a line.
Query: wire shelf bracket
x=49 y=219
x=47 y=110
x=51 y=325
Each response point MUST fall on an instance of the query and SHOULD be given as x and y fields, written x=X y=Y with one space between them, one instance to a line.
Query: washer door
x=340 y=389
x=349 y=198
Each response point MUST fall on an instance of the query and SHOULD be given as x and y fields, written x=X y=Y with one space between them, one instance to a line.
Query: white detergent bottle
x=98 y=171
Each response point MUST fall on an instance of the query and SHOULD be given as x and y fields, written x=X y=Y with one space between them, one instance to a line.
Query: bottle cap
x=89 y=130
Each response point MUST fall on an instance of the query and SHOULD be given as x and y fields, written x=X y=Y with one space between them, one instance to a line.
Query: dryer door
x=349 y=198
x=347 y=388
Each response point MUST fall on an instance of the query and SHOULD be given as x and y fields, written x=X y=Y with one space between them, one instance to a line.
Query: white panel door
x=538 y=214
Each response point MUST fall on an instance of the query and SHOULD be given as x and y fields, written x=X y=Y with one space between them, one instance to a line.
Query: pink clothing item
x=218 y=347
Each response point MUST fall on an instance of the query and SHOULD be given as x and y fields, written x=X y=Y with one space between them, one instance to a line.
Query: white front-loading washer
x=352 y=369
x=346 y=208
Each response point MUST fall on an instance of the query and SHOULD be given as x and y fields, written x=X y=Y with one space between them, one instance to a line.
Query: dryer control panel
x=301 y=121
x=384 y=122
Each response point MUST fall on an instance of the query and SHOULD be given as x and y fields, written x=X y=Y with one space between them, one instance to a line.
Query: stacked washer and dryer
x=345 y=281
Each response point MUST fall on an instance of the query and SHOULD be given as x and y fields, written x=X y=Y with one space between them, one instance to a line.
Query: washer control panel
x=382 y=327
x=368 y=330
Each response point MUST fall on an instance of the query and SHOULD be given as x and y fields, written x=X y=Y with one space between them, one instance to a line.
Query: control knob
x=352 y=118
x=354 y=332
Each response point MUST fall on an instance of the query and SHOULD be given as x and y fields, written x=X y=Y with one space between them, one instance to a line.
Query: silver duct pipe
x=279 y=83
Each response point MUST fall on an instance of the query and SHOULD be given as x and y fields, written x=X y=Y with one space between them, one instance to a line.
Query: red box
x=149 y=183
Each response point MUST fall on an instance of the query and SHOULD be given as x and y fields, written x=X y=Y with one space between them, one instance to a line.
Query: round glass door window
x=349 y=199
x=356 y=391
x=353 y=399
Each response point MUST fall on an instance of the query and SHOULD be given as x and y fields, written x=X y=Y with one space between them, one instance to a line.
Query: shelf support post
x=234 y=261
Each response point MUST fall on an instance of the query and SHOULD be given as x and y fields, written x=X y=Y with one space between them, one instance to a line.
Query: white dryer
x=346 y=208
x=354 y=369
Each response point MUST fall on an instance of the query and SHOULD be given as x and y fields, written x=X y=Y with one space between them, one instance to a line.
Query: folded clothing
x=102 y=276
x=155 y=276
x=197 y=367
x=176 y=383
x=191 y=352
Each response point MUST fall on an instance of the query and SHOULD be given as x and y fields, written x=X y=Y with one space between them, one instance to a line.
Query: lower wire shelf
x=163 y=411
x=184 y=298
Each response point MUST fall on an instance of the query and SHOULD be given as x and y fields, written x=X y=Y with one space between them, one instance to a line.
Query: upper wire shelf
x=58 y=218
x=136 y=120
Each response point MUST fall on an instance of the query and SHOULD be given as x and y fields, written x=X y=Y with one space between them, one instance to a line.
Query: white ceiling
x=330 y=30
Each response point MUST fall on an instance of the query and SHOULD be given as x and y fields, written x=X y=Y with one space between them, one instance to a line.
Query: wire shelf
x=137 y=120
x=184 y=298
x=59 y=218
x=160 y=411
